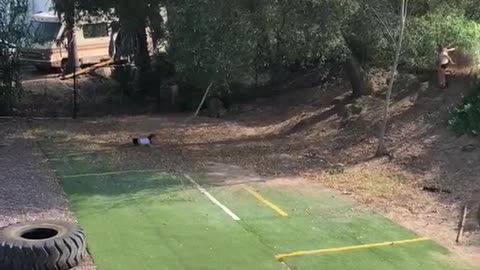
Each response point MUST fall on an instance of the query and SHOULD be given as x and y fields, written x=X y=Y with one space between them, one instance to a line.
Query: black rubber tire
x=19 y=250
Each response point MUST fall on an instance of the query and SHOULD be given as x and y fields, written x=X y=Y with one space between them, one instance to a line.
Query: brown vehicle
x=48 y=50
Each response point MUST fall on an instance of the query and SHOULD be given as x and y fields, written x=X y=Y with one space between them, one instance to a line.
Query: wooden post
x=462 y=223
x=203 y=99
x=75 y=109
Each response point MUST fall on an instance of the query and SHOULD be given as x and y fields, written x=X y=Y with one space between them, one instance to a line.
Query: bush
x=124 y=76
x=228 y=41
x=444 y=27
x=163 y=66
x=465 y=119
x=13 y=32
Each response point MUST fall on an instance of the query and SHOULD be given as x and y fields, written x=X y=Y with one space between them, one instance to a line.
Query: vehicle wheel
x=42 y=245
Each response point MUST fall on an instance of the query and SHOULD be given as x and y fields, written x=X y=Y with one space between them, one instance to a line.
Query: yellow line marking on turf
x=259 y=197
x=106 y=173
x=348 y=248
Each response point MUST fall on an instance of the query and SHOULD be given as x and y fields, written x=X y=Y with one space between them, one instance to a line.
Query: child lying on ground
x=144 y=141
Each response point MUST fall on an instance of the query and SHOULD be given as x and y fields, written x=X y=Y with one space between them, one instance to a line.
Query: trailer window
x=43 y=32
x=96 y=30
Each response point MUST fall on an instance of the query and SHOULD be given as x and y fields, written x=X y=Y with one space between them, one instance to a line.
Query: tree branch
x=383 y=23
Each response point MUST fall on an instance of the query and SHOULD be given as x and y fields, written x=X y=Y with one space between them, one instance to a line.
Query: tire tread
x=62 y=253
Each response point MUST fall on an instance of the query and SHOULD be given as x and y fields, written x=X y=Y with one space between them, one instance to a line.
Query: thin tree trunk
x=156 y=23
x=142 y=58
x=382 y=149
x=72 y=63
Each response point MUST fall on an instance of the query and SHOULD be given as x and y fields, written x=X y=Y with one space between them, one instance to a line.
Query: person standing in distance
x=443 y=61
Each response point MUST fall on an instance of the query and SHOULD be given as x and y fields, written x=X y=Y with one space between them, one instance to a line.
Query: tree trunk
x=382 y=149
x=72 y=63
x=156 y=23
x=142 y=58
x=357 y=77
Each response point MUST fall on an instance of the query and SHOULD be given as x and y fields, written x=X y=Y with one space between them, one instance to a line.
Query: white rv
x=48 y=49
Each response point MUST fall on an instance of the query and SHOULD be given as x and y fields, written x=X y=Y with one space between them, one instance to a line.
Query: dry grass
x=372 y=180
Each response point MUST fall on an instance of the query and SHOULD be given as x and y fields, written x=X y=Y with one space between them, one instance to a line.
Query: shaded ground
x=46 y=95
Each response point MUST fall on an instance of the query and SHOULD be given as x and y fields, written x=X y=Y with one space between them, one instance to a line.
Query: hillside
x=322 y=135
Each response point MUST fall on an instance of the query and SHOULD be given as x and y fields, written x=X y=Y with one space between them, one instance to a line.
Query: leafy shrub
x=442 y=27
x=163 y=67
x=465 y=119
x=227 y=41
x=124 y=76
x=13 y=33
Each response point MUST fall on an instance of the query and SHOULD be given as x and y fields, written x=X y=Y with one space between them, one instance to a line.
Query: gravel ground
x=28 y=189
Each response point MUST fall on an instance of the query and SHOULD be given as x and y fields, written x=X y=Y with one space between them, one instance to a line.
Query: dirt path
x=28 y=190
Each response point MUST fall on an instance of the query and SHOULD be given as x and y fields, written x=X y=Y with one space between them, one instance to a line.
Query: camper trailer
x=48 y=49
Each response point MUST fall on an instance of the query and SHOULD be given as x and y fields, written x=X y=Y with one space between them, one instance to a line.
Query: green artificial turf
x=151 y=220
x=318 y=219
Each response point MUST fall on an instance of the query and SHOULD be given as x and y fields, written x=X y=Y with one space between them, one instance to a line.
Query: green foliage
x=465 y=119
x=229 y=41
x=130 y=84
x=124 y=76
x=235 y=41
x=12 y=36
x=210 y=40
x=163 y=66
x=443 y=27
x=232 y=43
x=370 y=31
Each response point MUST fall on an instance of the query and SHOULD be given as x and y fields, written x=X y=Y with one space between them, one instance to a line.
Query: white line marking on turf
x=209 y=196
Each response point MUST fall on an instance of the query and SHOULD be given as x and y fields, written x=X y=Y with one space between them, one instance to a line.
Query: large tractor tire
x=41 y=245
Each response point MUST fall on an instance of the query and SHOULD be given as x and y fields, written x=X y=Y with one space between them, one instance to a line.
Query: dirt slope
x=333 y=142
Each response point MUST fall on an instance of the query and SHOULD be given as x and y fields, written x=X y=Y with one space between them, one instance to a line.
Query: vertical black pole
x=75 y=62
x=75 y=93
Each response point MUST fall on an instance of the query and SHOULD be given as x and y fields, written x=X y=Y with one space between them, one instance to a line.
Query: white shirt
x=143 y=141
